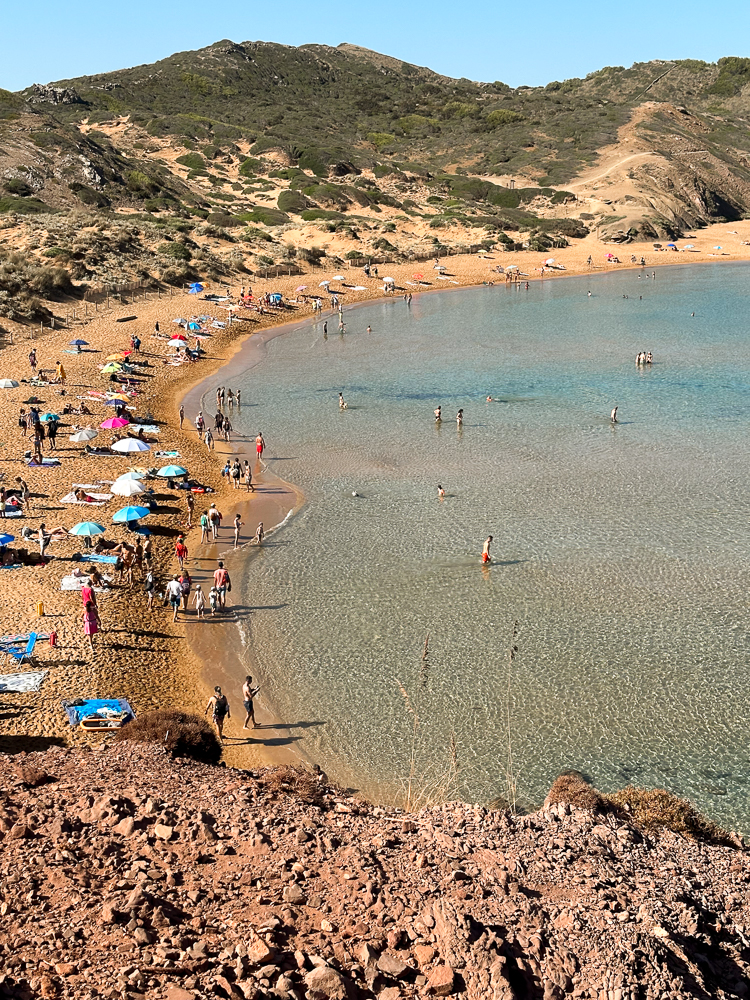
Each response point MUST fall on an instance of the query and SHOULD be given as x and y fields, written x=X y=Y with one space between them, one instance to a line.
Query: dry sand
x=145 y=656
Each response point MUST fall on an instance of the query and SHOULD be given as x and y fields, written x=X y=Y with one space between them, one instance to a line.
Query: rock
x=31 y=776
x=110 y=915
x=19 y=831
x=141 y=936
x=126 y=827
x=391 y=965
x=66 y=969
x=325 y=983
x=442 y=981
x=258 y=952
x=178 y=993
x=293 y=894
x=162 y=831
x=423 y=954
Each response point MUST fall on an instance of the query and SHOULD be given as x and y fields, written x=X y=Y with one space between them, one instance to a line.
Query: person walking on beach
x=238 y=397
x=238 y=523
x=174 y=594
x=486 y=550
x=248 y=694
x=222 y=583
x=214 y=519
x=186 y=585
x=199 y=600
x=199 y=422
x=260 y=445
x=248 y=478
x=220 y=710
x=182 y=415
x=613 y=415
x=32 y=360
x=441 y=492
x=90 y=623
x=181 y=551
x=43 y=538
x=204 y=523
x=190 y=501
x=259 y=533
x=209 y=439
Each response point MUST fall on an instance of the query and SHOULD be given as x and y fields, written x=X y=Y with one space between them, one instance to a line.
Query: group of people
x=218 y=705
x=644 y=358
x=438 y=412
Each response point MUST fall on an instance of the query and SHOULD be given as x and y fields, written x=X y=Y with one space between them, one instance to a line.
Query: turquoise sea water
x=622 y=551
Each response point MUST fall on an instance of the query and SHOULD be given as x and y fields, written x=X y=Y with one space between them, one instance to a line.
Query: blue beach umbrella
x=130 y=514
x=195 y=288
x=87 y=529
x=7 y=539
x=78 y=343
x=171 y=472
x=49 y=416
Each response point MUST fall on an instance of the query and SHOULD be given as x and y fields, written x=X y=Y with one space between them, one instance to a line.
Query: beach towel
x=30 y=680
x=14 y=566
x=167 y=454
x=13 y=512
x=98 y=708
x=148 y=428
x=99 y=499
x=78 y=582
x=97 y=558
x=92 y=486
x=45 y=463
x=21 y=638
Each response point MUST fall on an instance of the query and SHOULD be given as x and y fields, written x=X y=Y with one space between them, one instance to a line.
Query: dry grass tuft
x=297 y=781
x=180 y=733
x=657 y=809
x=572 y=788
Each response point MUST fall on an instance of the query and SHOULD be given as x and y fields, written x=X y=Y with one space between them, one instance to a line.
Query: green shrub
x=292 y=201
x=180 y=733
x=503 y=116
x=140 y=183
x=321 y=214
x=192 y=160
x=250 y=167
x=265 y=216
x=88 y=195
x=23 y=206
x=177 y=251
x=657 y=809
x=251 y=233
x=734 y=74
x=18 y=187
x=380 y=139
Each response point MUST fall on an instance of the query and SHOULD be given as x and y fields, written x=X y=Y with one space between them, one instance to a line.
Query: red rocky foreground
x=128 y=874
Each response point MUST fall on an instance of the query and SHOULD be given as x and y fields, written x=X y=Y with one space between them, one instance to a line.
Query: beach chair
x=23 y=655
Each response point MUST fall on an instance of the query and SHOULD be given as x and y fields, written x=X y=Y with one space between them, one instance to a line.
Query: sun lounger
x=30 y=680
x=98 y=713
x=22 y=655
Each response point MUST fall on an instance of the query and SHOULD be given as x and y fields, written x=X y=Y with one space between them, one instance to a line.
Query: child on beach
x=199 y=601
x=90 y=623
x=204 y=527
x=213 y=599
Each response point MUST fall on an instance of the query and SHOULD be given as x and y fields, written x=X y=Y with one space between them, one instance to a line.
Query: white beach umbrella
x=389 y=279
x=133 y=474
x=87 y=434
x=549 y=260
x=126 y=487
x=8 y=383
x=337 y=277
x=130 y=445
x=323 y=284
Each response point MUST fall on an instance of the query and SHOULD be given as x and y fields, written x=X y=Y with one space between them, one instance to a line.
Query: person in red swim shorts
x=260 y=444
x=486 y=550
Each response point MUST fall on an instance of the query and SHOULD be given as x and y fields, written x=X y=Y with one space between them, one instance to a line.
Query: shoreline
x=161 y=674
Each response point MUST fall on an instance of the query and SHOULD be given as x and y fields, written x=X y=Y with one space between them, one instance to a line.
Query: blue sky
x=519 y=44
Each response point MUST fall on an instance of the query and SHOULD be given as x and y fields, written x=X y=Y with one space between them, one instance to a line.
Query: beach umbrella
x=113 y=366
x=87 y=434
x=300 y=288
x=115 y=402
x=192 y=326
x=46 y=417
x=111 y=422
x=337 y=277
x=179 y=336
x=549 y=260
x=112 y=396
x=177 y=342
x=78 y=343
x=130 y=514
x=8 y=383
x=7 y=539
x=133 y=474
x=171 y=472
x=718 y=248
x=689 y=246
x=87 y=529
x=389 y=279
x=126 y=487
x=130 y=445
x=195 y=288
x=120 y=356
x=324 y=284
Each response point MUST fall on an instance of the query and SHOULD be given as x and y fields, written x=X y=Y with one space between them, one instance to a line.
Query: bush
x=503 y=116
x=252 y=233
x=318 y=214
x=141 y=184
x=177 y=251
x=380 y=139
x=23 y=206
x=657 y=809
x=16 y=186
x=297 y=781
x=250 y=167
x=572 y=788
x=292 y=201
x=180 y=733
x=266 y=216
x=313 y=255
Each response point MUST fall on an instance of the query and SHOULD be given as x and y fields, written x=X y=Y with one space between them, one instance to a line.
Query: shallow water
x=620 y=550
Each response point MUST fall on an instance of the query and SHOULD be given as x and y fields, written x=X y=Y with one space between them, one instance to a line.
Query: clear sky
x=531 y=43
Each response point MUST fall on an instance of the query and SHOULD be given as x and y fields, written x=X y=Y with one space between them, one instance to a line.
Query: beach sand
x=142 y=656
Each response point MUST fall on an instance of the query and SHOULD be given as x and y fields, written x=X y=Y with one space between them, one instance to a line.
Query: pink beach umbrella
x=114 y=422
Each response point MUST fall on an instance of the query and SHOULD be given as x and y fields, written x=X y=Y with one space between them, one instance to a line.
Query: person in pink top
x=90 y=623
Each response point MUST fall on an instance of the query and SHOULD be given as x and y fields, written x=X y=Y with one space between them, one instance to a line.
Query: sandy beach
x=145 y=656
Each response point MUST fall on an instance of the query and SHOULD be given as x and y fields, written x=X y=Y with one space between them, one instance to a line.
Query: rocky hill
x=277 y=148
x=126 y=873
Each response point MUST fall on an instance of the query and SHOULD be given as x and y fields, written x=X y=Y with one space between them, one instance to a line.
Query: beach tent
x=8 y=383
x=193 y=326
x=275 y=298
x=112 y=422
x=87 y=529
x=127 y=514
x=87 y=434
x=126 y=487
x=171 y=472
x=195 y=288
x=130 y=445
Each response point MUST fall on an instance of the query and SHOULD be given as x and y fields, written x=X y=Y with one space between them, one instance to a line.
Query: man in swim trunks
x=222 y=584
x=486 y=550
x=260 y=445
x=248 y=693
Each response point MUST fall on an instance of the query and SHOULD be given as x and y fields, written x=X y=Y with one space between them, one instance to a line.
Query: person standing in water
x=613 y=415
x=260 y=445
x=438 y=414
x=220 y=706
x=486 y=550
x=238 y=522
x=342 y=401
x=259 y=534
x=248 y=694
x=460 y=418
